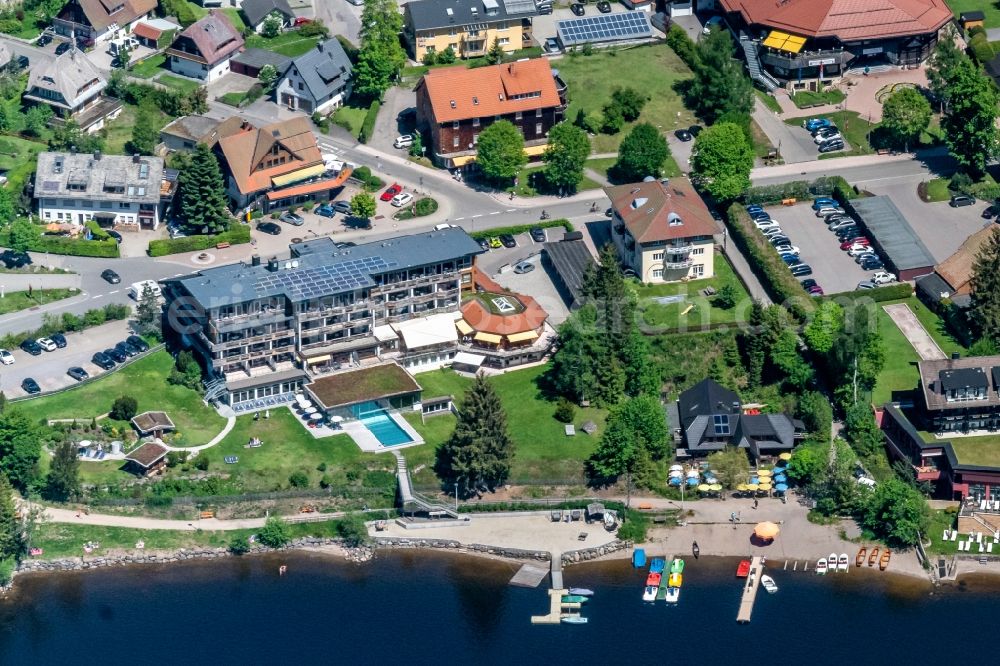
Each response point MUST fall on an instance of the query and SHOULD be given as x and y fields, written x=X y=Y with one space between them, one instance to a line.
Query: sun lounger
x=982 y=505
x=989 y=547
x=100 y=456
x=979 y=537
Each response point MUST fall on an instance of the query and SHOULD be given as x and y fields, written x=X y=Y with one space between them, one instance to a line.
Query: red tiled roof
x=214 y=37
x=847 y=20
x=480 y=318
x=146 y=31
x=245 y=149
x=646 y=209
x=487 y=91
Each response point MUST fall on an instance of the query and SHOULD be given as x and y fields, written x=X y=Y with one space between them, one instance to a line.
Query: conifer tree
x=11 y=533
x=203 y=194
x=986 y=289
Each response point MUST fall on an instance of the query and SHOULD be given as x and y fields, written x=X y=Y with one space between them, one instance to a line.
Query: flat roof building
x=894 y=238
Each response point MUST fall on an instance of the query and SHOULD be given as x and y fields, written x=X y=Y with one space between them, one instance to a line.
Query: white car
x=860 y=249
x=404 y=141
x=772 y=231
x=46 y=344
x=787 y=249
x=6 y=357
x=827 y=138
x=766 y=224
x=711 y=23
x=401 y=199
x=882 y=277
x=823 y=212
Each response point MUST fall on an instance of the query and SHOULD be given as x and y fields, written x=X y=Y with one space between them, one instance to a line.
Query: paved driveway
x=832 y=268
x=387 y=125
x=942 y=228
x=340 y=16
x=794 y=143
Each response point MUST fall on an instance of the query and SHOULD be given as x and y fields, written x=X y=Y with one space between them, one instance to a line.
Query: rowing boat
x=883 y=564
x=873 y=558
x=860 y=559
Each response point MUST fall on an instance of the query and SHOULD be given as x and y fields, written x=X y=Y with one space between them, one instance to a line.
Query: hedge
x=105 y=248
x=365 y=176
x=368 y=124
x=987 y=191
x=682 y=45
x=777 y=279
x=239 y=234
x=981 y=49
x=522 y=228
x=890 y=292
x=801 y=190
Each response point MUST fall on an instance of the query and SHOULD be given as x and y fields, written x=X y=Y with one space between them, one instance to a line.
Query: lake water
x=422 y=608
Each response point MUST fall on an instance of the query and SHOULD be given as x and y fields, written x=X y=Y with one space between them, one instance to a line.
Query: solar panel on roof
x=610 y=27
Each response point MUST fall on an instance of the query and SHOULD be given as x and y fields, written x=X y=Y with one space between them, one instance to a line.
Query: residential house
x=100 y=20
x=203 y=50
x=155 y=33
x=72 y=87
x=114 y=190
x=276 y=166
x=468 y=27
x=711 y=417
x=187 y=131
x=455 y=104
x=256 y=12
x=317 y=81
x=251 y=61
x=263 y=328
x=663 y=231
x=952 y=279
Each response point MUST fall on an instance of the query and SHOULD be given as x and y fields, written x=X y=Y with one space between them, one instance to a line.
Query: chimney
x=255 y=260
x=97 y=155
x=955 y=356
x=510 y=69
x=736 y=405
x=319 y=46
x=135 y=158
x=272 y=264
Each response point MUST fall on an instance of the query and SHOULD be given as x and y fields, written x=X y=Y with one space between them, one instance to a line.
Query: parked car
x=866 y=284
x=401 y=199
x=791 y=260
x=871 y=262
x=30 y=386
x=831 y=146
x=712 y=22
x=843 y=224
x=44 y=39
x=538 y=234
x=523 y=267
x=391 y=191
x=78 y=373
x=269 y=228
x=62 y=48
x=110 y=276
x=959 y=200
x=779 y=240
x=343 y=207
x=102 y=361
x=114 y=234
x=828 y=129
x=827 y=138
x=495 y=242
x=403 y=141
x=508 y=240
x=6 y=357
x=126 y=349
x=823 y=212
x=695 y=130
x=791 y=249
x=31 y=347
x=59 y=339
x=823 y=202
x=882 y=277
x=855 y=250
x=836 y=217
x=815 y=291
x=604 y=7
x=325 y=210
x=116 y=355
x=801 y=270
x=484 y=243
x=683 y=135
x=22 y=61
x=851 y=242
x=551 y=44
x=808 y=283
x=850 y=231
x=137 y=342
x=577 y=9
x=772 y=231
x=989 y=213
x=288 y=217
x=754 y=208
x=813 y=124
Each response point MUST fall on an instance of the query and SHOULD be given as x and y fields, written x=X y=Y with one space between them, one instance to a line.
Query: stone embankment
x=450 y=544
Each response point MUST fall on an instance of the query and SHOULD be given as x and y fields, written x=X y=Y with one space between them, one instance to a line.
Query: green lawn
x=703 y=313
x=233 y=98
x=15 y=151
x=177 y=83
x=146 y=381
x=350 y=117
x=761 y=143
x=525 y=187
x=653 y=70
x=936 y=189
x=543 y=451
x=291 y=44
x=768 y=100
x=149 y=67
x=809 y=98
x=899 y=375
x=980 y=451
x=19 y=300
x=991 y=10
x=119 y=131
x=939 y=522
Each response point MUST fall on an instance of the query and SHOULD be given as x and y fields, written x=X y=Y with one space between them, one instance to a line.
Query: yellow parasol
x=765 y=485
x=767 y=530
x=752 y=486
x=704 y=488
x=764 y=472
x=716 y=487
x=741 y=487
x=785 y=456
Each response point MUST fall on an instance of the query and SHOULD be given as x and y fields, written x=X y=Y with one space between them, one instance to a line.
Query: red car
x=816 y=290
x=301 y=20
x=860 y=240
x=393 y=190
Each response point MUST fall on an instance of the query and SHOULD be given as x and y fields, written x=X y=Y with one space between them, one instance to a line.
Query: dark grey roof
x=99 y=177
x=706 y=398
x=570 y=260
x=325 y=70
x=257 y=58
x=961 y=378
x=933 y=287
x=317 y=268
x=427 y=14
x=258 y=10
x=892 y=233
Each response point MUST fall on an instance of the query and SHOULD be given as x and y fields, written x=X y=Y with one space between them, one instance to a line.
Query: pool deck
x=367 y=441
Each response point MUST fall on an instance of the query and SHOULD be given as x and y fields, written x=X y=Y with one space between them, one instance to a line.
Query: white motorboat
x=573 y=618
x=649 y=593
x=768 y=584
x=673 y=594
x=843 y=563
x=581 y=591
x=821 y=566
x=832 y=561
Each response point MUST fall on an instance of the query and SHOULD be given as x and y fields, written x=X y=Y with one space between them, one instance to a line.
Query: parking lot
x=806 y=142
x=833 y=269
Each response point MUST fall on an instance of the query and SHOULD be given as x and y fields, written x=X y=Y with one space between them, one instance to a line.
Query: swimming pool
x=385 y=429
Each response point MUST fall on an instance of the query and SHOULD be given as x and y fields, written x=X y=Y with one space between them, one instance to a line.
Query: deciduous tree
x=969 y=124
x=275 y=533
x=363 y=206
x=272 y=26
x=896 y=511
x=905 y=115
x=268 y=77
x=124 y=408
x=11 y=532
x=500 y=153
x=566 y=156
x=202 y=193
x=721 y=161
x=826 y=324
x=642 y=153
x=941 y=69
x=732 y=466
x=630 y=101
x=380 y=57
x=634 y=435
x=20 y=446
x=23 y=235
x=146 y=131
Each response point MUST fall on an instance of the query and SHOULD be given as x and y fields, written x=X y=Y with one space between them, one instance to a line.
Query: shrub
x=274 y=534
x=960 y=182
x=981 y=49
x=565 y=411
x=682 y=45
x=175 y=458
x=298 y=479
x=801 y=190
x=237 y=234
x=321 y=467
x=8 y=564
x=201 y=463
x=106 y=248
x=634 y=527
x=352 y=530
x=425 y=206
x=368 y=124
x=365 y=176
x=239 y=545
x=522 y=228
x=429 y=58
x=124 y=408
x=158 y=501
x=890 y=292
x=325 y=481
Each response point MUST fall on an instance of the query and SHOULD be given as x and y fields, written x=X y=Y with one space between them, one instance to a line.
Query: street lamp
x=456 y=497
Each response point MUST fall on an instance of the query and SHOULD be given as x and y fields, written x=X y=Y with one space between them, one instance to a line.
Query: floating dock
x=556 y=606
x=750 y=590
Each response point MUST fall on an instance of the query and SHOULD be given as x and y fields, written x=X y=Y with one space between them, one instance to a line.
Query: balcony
x=806 y=59
x=678 y=248
x=676 y=265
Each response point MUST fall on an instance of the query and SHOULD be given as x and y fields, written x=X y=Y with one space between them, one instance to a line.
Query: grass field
x=235 y=17
x=543 y=452
x=990 y=10
x=291 y=44
x=655 y=315
x=149 y=67
x=937 y=190
x=144 y=379
x=15 y=151
x=525 y=188
x=981 y=451
x=19 y=300
x=119 y=131
x=938 y=523
x=809 y=98
x=177 y=83
x=653 y=70
x=899 y=375
x=351 y=116
x=768 y=100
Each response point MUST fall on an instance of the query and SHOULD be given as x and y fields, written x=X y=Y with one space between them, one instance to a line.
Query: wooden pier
x=556 y=606
x=556 y=569
x=750 y=590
